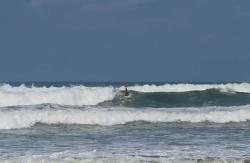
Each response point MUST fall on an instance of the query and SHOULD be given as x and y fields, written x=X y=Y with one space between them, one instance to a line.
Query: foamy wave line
x=121 y=159
x=236 y=87
x=10 y=119
x=82 y=95
x=74 y=95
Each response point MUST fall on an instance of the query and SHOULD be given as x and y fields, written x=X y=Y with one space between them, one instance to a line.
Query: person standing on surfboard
x=126 y=92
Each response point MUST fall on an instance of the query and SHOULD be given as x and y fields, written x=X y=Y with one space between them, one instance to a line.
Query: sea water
x=95 y=122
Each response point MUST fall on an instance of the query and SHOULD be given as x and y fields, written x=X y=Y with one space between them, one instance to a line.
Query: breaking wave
x=235 y=87
x=214 y=94
x=74 y=95
x=210 y=97
x=23 y=118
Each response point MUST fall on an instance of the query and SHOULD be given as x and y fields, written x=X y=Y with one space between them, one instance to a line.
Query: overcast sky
x=125 y=40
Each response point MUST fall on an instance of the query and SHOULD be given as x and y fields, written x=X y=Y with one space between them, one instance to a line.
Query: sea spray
x=74 y=95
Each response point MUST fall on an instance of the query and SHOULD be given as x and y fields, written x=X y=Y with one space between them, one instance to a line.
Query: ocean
x=95 y=122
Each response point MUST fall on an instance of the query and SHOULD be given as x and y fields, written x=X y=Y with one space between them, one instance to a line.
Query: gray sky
x=125 y=40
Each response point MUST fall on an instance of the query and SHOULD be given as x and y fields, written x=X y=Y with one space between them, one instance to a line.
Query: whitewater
x=23 y=118
x=95 y=122
x=83 y=95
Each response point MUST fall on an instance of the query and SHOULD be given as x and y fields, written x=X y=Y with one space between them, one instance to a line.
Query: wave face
x=234 y=87
x=167 y=95
x=22 y=118
x=211 y=97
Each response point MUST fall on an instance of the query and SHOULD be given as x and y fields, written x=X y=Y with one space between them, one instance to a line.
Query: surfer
x=126 y=92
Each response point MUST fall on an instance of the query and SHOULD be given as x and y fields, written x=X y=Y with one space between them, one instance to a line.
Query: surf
x=185 y=87
x=73 y=95
x=210 y=97
x=28 y=117
x=165 y=95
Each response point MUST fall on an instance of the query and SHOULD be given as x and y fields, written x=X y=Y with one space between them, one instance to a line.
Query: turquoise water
x=94 y=122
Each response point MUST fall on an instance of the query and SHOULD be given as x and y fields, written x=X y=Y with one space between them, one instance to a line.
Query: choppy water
x=94 y=122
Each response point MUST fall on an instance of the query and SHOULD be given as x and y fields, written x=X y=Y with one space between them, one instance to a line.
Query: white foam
x=10 y=119
x=75 y=95
x=237 y=87
x=82 y=95
x=117 y=159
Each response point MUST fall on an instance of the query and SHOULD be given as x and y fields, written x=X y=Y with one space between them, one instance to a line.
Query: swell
x=211 y=97
x=166 y=95
x=27 y=117
x=182 y=87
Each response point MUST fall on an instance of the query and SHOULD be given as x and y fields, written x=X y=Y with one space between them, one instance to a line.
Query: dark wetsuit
x=126 y=92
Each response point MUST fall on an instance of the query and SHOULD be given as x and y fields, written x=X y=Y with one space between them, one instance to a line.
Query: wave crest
x=10 y=119
x=236 y=87
x=83 y=95
x=74 y=95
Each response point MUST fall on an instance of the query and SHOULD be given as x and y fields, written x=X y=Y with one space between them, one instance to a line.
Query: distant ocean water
x=94 y=122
